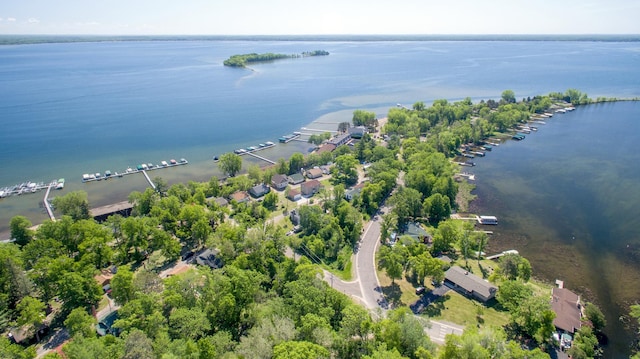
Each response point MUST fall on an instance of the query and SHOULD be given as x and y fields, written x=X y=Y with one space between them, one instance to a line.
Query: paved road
x=366 y=286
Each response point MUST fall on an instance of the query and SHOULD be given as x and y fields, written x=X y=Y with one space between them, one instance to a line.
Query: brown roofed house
x=566 y=305
x=314 y=173
x=240 y=197
x=279 y=182
x=310 y=188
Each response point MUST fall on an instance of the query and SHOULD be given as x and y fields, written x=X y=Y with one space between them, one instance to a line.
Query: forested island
x=242 y=60
x=203 y=270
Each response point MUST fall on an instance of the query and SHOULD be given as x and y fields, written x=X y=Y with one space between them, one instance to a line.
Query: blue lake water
x=73 y=108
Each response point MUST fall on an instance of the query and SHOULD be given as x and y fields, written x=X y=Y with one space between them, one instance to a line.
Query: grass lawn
x=345 y=274
x=456 y=308
x=104 y=302
x=401 y=293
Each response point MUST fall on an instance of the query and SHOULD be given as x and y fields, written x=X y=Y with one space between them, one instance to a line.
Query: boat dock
x=504 y=253
x=129 y=171
x=317 y=130
x=149 y=180
x=24 y=188
x=47 y=205
x=289 y=138
x=259 y=157
x=469 y=176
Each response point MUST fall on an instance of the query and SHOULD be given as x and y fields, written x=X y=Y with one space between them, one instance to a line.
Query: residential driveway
x=428 y=298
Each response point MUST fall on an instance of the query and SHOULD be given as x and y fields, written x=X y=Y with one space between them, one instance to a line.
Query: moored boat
x=60 y=184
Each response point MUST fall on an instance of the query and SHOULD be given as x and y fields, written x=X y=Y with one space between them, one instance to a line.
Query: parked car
x=420 y=290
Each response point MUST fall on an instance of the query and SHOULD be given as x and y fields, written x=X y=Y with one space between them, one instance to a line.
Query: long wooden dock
x=47 y=205
x=259 y=157
x=130 y=170
x=148 y=179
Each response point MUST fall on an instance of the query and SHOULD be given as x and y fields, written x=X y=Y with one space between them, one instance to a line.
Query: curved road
x=366 y=286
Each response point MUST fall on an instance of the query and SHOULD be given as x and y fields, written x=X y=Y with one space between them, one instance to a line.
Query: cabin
x=259 y=190
x=353 y=192
x=279 y=182
x=240 y=197
x=294 y=195
x=310 y=188
x=415 y=231
x=469 y=284
x=566 y=305
x=314 y=173
x=296 y=178
x=327 y=147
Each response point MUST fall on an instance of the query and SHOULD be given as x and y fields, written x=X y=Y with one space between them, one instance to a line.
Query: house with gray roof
x=469 y=284
x=259 y=190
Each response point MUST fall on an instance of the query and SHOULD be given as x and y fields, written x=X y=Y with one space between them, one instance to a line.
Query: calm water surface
x=75 y=108
x=568 y=200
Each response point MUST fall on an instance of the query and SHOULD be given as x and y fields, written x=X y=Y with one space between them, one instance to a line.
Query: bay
x=74 y=108
x=567 y=198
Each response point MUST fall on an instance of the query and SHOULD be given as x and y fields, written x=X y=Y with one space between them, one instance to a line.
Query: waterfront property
x=279 y=182
x=240 y=197
x=469 y=284
x=566 y=305
x=259 y=190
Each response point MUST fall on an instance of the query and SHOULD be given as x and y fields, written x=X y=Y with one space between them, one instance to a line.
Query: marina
x=140 y=168
x=29 y=187
x=289 y=138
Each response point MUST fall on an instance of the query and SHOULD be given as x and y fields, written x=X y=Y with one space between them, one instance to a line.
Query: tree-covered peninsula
x=242 y=60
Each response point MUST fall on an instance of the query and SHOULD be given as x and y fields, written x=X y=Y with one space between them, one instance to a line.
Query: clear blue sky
x=280 y=17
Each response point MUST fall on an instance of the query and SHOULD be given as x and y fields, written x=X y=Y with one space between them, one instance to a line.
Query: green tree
x=345 y=170
x=392 y=260
x=585 y=344
x=138 y=346
x=78 y=289
x=437 y=207
x=31 y=313
x=296 y=163
x=20 y=230
x=79 y=322
x=230 y=163
x=122 y=288
x=508 y=96
x=299 y=350
x=512 y=293
x=364 y=118
x=74 y=204
x=595 y=316
x=190 y=323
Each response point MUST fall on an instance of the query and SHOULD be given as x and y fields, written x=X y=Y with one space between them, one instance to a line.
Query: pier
x=510 y=251
x=259 y=157
x=289 y=138
x=149 y=180
x=129 y=171
x=47 y=205
x=318 y=130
